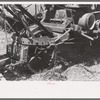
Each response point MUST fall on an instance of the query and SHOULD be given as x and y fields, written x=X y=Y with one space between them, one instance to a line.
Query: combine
x=30 y=41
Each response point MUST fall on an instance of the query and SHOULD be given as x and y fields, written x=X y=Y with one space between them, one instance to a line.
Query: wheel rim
x=45 y=59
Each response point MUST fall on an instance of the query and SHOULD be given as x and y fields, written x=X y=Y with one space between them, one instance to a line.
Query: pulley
x=87 y=21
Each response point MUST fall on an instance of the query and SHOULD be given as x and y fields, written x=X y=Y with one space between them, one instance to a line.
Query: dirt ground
x=77 y=63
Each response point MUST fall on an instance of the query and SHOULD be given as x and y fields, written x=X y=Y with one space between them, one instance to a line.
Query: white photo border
x=42 y=89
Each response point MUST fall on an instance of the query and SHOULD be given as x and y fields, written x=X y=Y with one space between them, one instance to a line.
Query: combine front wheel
x=42 y=59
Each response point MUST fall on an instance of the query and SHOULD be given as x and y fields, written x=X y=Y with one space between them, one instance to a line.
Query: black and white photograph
x=49 y=49
x=49 y=42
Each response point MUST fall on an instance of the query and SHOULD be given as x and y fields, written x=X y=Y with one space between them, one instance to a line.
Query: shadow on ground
x=76 y=54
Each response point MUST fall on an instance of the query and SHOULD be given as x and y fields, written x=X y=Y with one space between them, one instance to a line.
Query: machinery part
x=20 y=52
x=63 y=19
x=88 y=37
x=97 y=24
x=87 y=21
x=42 y=59
x=49 y=33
